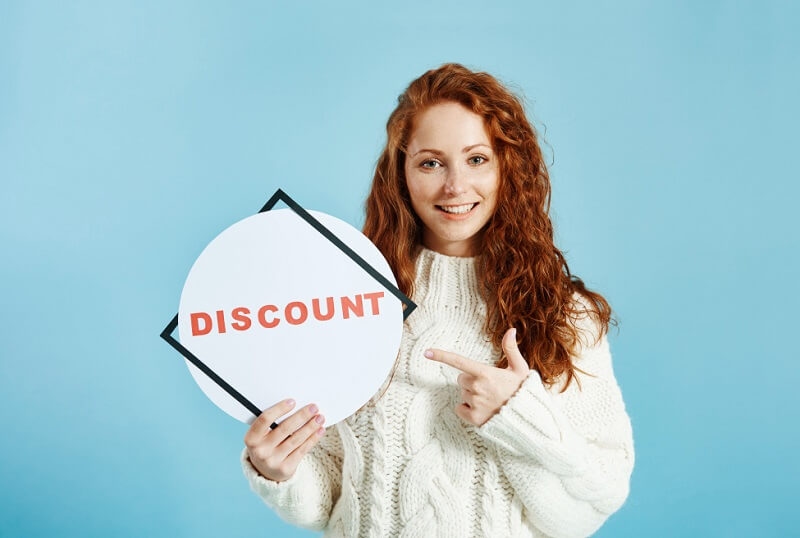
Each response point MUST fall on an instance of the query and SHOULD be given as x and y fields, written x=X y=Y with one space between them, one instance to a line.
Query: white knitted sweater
x=548 y=464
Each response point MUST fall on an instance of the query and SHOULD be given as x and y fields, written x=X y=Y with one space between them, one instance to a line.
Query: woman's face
x=452 y=177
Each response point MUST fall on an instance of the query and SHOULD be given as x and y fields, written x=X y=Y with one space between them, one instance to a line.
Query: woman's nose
x=454 y=183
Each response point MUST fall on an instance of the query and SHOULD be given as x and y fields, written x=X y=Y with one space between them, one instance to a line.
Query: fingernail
x=428 y=353
x=313 y=408
x=290 y=402
x=321 y=432
x=319 y=419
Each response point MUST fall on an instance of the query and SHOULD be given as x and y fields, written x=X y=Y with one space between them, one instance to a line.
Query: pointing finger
x=456 y=361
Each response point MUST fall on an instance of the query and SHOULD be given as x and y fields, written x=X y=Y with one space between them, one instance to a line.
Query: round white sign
x=278 y=311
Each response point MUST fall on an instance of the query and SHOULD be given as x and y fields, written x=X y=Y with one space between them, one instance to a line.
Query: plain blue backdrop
x=131 y=133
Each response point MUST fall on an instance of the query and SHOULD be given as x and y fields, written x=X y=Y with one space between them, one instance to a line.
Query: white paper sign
x=278 y=311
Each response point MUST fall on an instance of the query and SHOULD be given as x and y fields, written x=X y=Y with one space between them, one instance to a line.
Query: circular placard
x=277 y=310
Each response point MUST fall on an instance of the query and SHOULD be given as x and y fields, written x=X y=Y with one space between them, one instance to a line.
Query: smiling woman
x=503 y=416
x=452 y=178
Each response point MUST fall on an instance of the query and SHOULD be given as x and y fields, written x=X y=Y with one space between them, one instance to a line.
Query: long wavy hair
x=525 y=280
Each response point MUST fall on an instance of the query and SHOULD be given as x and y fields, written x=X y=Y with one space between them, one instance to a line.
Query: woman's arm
x=568 y=456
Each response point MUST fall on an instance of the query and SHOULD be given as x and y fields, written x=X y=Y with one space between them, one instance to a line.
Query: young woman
x=502 y=417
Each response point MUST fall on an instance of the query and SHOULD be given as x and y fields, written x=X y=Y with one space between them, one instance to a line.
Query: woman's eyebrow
x=423 y=150
x=470 y=148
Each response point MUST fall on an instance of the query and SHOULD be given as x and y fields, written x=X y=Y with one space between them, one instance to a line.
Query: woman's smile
x=457 y=210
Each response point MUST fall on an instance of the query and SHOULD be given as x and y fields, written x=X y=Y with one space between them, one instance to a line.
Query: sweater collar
x=446 y=280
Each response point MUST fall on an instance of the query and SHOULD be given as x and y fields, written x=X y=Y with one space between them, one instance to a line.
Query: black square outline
x=279 y=195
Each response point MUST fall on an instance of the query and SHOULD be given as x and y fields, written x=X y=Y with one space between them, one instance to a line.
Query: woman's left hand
x=485 y=388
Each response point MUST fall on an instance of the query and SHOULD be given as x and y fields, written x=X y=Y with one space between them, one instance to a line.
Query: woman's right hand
x=277 y=453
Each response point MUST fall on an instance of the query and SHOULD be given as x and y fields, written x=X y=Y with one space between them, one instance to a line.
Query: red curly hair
x=526 y=281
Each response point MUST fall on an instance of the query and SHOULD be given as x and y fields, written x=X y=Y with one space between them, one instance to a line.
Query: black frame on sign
x=281 y=196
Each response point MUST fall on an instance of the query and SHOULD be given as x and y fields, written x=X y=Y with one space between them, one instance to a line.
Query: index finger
x=266 y=420
x=455 y=360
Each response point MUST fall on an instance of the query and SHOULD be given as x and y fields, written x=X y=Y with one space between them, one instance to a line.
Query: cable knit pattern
x=548 y=464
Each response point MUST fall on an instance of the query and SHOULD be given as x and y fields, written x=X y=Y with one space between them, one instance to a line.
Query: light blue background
x=131 y=133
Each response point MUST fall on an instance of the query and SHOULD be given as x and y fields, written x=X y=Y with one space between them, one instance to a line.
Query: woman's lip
x=457 y=216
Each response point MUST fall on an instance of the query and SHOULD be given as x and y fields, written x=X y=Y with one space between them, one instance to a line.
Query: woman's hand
x=485 y=388
x=277 y=453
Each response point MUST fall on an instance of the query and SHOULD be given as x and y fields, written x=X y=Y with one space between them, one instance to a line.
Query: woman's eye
x=477 y=159
x=430 y=164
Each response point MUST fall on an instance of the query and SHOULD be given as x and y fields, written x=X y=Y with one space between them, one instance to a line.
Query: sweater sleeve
x=567 y=455
x=307 y=498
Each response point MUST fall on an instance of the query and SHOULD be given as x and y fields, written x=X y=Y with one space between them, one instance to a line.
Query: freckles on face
x=452 y=178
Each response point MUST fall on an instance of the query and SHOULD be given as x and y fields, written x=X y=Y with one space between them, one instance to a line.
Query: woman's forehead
x=447 y=127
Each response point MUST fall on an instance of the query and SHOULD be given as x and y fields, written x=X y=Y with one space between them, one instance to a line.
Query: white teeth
x=457 y=209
